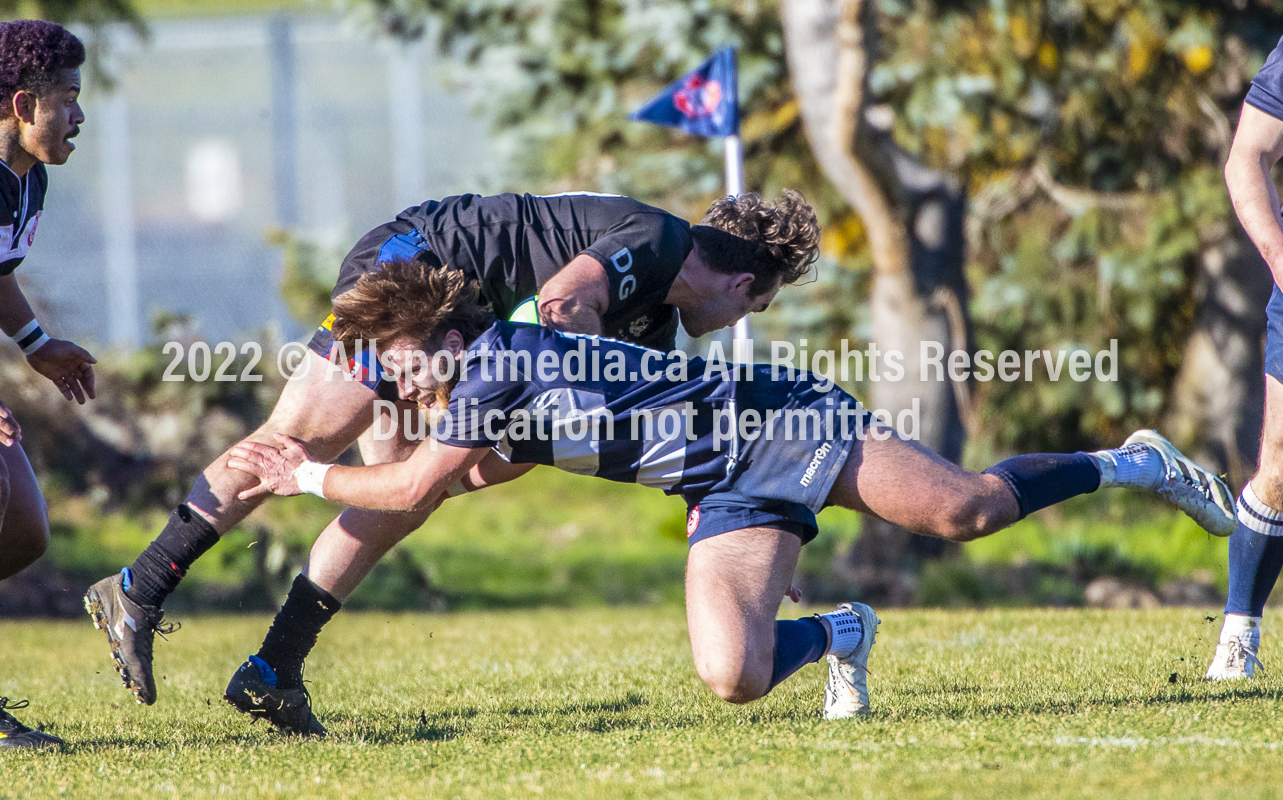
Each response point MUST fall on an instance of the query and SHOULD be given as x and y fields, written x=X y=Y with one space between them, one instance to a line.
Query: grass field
x=605 y=703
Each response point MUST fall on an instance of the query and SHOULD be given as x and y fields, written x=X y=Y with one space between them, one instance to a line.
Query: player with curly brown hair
x=578 y=263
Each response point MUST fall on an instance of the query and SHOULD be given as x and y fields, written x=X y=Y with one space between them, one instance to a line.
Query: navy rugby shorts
x=397 y=239
x=781 y=481
x=1274 y=335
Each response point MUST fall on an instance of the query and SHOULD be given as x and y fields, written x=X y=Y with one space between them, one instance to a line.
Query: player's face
x=727 y=307
x=422 y=369
x=54 y=120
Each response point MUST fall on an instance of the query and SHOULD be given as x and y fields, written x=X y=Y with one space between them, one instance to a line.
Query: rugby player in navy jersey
x=39 y=116
x=1256 y=546
x=755 y=456
x=597 y=264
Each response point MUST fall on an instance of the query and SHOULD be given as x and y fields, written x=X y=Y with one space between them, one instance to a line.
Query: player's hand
x=273 y=467
x=9 y=430
x=68 y=366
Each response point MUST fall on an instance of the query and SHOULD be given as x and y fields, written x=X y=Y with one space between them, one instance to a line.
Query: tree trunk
x=1218 y=400
x=914 y=218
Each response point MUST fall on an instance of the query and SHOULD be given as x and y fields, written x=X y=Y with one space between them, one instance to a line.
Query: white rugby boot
x=1233 y=661
x=1200 y=494
x=847 y=692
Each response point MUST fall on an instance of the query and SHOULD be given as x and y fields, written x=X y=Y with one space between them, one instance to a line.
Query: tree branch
x=827 y=46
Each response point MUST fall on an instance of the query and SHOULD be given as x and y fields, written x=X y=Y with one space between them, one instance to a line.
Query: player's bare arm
x=417 y=483
x=1258 y=146
x=66 y=364
x=574 y=300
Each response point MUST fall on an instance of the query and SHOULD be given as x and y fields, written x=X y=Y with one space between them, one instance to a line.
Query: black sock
x=1039 y=480
x=160 y=567
x=293 y=633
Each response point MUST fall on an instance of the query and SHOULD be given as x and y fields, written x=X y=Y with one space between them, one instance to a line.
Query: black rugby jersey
x=513 y=243
x=21 y=201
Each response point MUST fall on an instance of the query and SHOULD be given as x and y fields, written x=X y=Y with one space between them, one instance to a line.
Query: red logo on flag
x=692 y=522
x=699 y=97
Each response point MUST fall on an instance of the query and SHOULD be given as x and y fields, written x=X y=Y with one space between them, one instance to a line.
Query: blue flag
x=703 y=102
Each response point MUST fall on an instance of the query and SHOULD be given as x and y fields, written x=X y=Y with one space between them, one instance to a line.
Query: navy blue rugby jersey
x=513 y=243
x=1266 y=91
x=21 y=202
x=610 y=409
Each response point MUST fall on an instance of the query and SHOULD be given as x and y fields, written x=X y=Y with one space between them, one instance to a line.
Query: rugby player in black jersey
x=593 y=264
x=754 y=453
x=39 y=116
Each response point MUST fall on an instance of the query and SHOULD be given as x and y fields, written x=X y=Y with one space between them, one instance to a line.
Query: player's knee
x=25 y=541
x=734 y=683
x=966 y=517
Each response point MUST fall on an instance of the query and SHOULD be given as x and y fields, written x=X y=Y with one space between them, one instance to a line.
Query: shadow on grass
x=1181 y=695
x=630 y=701
x=593 y=717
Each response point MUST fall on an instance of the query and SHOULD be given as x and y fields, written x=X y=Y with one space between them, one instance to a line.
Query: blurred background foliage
x=1089 y=134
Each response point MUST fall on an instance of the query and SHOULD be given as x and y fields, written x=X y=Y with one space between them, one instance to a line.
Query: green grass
x=605 y=703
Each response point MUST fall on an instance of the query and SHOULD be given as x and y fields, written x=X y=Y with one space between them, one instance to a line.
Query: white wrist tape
x=31 y=337
x=311 y=477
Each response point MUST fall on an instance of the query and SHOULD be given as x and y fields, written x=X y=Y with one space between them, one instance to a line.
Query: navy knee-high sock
x=1255 y=562
x=1039 y=480
x=1256 y=555
x=798 y=642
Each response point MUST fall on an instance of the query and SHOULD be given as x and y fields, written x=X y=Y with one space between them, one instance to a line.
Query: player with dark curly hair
x=578 y=263
x=39 y=116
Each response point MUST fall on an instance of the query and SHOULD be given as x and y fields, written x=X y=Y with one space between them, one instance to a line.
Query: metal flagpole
x=742 y=347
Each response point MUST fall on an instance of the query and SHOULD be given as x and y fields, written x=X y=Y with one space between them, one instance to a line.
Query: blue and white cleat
x=847 y=692
x=1201 y=495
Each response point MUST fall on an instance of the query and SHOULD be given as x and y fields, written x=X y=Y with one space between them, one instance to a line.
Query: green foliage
x=308 y=275
x=606 y=704
x=559 y=79
x=1031 y=99
x=95 y=14
x=1020 y=98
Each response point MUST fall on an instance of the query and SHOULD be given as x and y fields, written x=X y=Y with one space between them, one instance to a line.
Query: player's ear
x=743 y=283
x=454 y=342
x=23 y=106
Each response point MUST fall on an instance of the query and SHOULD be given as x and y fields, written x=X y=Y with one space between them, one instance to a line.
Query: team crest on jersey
x=639 y=325
x=14 y=243
x=692 y=522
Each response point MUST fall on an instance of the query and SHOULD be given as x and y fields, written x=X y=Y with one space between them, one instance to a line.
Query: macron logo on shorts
x=814 y=466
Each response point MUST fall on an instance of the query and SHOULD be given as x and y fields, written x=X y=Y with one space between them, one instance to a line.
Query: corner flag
x=704 y=102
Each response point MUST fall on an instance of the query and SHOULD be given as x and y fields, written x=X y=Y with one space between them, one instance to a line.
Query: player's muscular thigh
x=325 y=408
x=395 y=442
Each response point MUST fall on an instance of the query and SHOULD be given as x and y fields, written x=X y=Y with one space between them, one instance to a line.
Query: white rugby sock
x=845 y=632
x=1133 y=466
x=1246 y=629
x=1257 y=516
